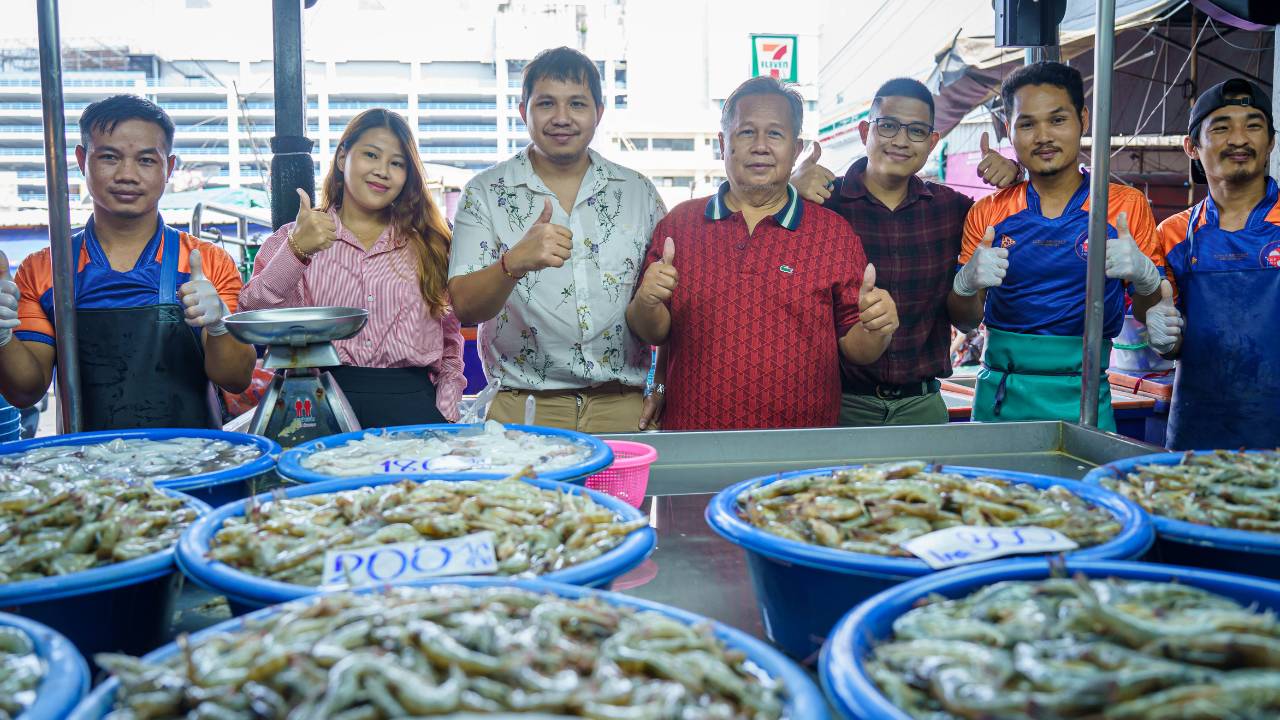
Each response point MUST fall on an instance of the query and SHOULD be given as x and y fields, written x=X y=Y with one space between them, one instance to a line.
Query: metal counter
x=694 y=569
x=700 y=462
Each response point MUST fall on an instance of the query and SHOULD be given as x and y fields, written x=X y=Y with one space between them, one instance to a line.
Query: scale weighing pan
x=296 y=327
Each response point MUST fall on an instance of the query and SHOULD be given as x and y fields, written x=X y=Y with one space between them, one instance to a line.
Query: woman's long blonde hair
x=412 y=215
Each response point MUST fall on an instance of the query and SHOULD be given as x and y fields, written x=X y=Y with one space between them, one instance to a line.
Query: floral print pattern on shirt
x=563 y=327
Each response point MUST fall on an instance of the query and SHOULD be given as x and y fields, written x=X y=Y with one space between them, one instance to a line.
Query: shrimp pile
x=450 y=649
x=875 y=508
x=56 y=527
x=1064 y=648
x=492 y=448
x=1223 y=489
x=21 y=671
x=126 y=460
x=536 y=531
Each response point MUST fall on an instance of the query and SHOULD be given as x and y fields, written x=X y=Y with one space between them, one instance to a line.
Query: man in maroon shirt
x=911 y=231
x=770 y=291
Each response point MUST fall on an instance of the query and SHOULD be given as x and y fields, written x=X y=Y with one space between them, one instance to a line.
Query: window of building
x=673 y=144
x=620 y=101
x=683 y=181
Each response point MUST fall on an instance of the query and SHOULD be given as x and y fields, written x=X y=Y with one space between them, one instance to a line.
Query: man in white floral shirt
x=547 y=248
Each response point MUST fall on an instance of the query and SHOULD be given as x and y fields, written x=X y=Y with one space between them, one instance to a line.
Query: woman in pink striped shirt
x=378 y=242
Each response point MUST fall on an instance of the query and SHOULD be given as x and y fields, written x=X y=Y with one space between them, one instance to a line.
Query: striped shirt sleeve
x=277 y=275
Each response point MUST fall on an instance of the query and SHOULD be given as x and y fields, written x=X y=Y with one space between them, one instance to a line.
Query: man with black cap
x=1223 y=286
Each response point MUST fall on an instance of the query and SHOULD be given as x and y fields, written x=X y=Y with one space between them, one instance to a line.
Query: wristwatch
x=658 y=388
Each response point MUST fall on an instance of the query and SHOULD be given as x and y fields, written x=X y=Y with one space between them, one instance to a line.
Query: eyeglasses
x=889 y=129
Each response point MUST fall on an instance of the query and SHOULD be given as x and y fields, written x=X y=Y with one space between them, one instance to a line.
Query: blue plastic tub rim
x=66 y=675
x=270 y=451
x=290 y=465
x=193 y=546
x=100 y=579
x=856 y=695
x=1135 y=537
x=1181 y=530
x=803 y=699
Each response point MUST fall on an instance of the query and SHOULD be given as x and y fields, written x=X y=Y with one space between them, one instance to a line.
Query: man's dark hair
x=903 y=87
x=104 y=115
x=566 y=65
x=764 y=85
x=1044 y=73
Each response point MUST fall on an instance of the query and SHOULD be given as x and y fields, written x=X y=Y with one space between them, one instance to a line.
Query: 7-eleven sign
x=774 y=55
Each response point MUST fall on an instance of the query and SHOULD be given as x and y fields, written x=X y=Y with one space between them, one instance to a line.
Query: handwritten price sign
x=468 y=555
x=444 y=463
x=964 y=544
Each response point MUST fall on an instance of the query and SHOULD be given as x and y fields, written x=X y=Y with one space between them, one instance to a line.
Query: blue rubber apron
x=1226 y=393
x=1038 y=377
x=143 y=367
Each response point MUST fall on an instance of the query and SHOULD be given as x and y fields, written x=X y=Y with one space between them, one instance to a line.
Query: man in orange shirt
x=150 y=300
x=1024 y=259
x=1223 y=265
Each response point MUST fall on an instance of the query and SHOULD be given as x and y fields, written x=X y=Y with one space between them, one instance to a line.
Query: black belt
x=886 y=391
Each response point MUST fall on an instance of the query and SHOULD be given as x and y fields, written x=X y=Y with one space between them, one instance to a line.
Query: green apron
x=1036 y=377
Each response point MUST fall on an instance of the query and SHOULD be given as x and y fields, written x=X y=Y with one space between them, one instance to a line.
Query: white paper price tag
x=468 y=555
x=963 y=544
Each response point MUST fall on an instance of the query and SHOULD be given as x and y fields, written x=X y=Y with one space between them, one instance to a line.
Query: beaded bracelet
x=293 y=245
x=502 y=260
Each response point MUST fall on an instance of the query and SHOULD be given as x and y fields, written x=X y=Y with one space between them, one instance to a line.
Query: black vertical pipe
x=291 y=165
x=63 y=258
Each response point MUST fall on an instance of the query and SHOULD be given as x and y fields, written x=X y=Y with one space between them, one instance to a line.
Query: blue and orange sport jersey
x=1234 y=250
x=1043 y=291
x=100 y=287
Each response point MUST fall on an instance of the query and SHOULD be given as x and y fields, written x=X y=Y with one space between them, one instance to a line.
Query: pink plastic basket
x=628 y=476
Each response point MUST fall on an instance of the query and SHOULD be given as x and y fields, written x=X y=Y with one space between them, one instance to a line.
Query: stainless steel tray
x=297 y=326
x=698 y=462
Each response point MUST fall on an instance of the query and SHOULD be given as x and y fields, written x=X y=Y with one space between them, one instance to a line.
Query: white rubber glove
x=1164 y=322
x=204 y=308
x=9 y=296
x=985 y=269
x=1126 y=262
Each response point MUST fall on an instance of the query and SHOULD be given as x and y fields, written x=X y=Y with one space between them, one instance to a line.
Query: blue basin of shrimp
x=245 y=591
x=855 y=695
x=803 y=699
x=1179 y=542
x=66 y=676
x=291 y=467
x=126 y=606
x=786 y=573
x=216 y=488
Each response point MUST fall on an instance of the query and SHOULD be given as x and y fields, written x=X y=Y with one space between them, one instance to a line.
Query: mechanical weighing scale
x=303 y=402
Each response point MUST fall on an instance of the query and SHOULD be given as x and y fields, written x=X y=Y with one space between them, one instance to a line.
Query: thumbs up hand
x=1125 y=261
x=1164 y=322
x=985 y=269
x=9 y=296
x=203 y=306
x=811 y=180
x=877 y=312
x=996 y=169
x=544 y=245
x=313 y=230
x=659 y=281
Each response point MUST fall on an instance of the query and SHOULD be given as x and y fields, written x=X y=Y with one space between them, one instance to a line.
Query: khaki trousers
x=609 y=408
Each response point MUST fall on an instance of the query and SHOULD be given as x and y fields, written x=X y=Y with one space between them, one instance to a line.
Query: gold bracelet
x=293 y=245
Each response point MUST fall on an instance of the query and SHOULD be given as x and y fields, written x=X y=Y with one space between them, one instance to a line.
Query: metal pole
x=1100 y=171
x=291 y=160
x=64 y=262
x=1275 y=96
x=1191 y=101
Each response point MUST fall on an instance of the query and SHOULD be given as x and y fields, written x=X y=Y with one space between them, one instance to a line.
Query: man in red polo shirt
x=770 y=290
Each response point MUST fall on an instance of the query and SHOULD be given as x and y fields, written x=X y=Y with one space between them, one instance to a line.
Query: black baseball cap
x=1215 y=98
